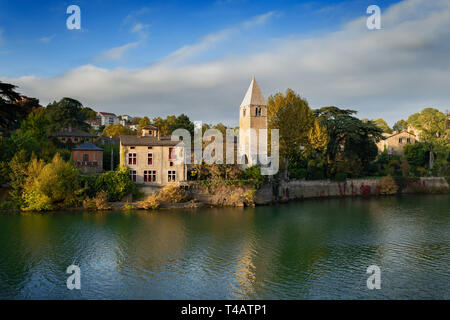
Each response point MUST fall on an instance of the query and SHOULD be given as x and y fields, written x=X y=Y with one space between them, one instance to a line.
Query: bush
x=172 y=193
x=116 y=184
x=341 y=176
x=254 y=174
x=249 y=198
x=99 y=202
x=47 y=185
x=388 y=186
x=151 y=202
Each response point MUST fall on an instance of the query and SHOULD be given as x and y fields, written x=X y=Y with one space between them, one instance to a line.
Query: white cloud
x=188 y=51
x=46 y=39
x=118 y=52
x=387 y=73
x=139 y=27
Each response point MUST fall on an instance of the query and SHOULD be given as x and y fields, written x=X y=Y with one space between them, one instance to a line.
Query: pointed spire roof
x=254 y=95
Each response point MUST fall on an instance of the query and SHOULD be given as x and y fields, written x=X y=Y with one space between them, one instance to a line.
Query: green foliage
x=67 y=112
x=400 y=125
x=116 y=130
x=291 y=115
x=170 y=123
x=49 y=185
x=107 y=155
x=382 y=124
x=254 y=174
x=349 y=139
x=117 y=184
x=14 y=107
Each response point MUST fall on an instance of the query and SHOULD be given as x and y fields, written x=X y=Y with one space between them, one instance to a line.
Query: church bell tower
x=252 y=115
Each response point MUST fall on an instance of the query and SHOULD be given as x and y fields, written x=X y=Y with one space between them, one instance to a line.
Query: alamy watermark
x=374 y=21
x=74 y=280
x=253 y=152
x=74 y=20
x=374 y=280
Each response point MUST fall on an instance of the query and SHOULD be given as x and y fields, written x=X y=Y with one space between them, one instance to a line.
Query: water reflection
x=310 y=249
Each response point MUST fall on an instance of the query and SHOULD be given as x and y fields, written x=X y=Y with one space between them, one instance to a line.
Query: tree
x=116 y=130
x=317 y=136
x=291 y=115
x=382 y=124
x=400 y=125
x=145 y=121
x=349 y=138
x=14 y=107
x=67 y=112
x=88 y=113
x=135 y=120
x=183 y=122
x=433 y=126
x=434 y=129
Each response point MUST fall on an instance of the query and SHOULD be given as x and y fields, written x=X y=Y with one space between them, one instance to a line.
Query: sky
x=157 y=58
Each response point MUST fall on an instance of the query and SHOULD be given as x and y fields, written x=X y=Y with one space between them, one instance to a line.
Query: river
x=313 y=249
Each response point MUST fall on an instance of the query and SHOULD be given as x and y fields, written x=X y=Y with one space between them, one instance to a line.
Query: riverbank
x=226 y=195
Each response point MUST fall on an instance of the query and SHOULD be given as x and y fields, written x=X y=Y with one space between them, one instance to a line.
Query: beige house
x=151 y=158
x=395 y=142
x=252 y=115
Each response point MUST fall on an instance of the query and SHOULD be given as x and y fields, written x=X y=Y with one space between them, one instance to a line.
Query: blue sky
x=161 y=57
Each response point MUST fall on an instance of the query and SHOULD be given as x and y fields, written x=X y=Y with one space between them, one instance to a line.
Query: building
x=125 y=119
x=133 y=127
x=395 y=142
x=88 y=158
x=151 y=158
x=106 y=118
x=252 y=115
x=95 y=124
x=73 y=135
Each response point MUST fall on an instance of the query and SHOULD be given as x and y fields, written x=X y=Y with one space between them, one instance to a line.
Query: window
x=133 y=175
x=85 y=157
x=400 y=140
x=258 y=112
x=171 y=153
x=150 y=148
x=132 y=148
x=171 y=164
x=244 y=112
x=171 y=175
x=408 y=140
x=150 y=159
x=149 y=175
x=132 y=158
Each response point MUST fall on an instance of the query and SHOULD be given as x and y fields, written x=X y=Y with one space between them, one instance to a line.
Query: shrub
x=249 y=198
x=117 y=184
x=151 y=202
x=340 y=176
x=50 y=184
x=388 y=185
x=172 y=193
x=101 y=201
x=254 y=174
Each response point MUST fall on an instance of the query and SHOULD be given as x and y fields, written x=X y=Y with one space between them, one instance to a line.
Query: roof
x=393 y=135
x=146 y=141
x=254 y=95
x=107 y=114
x=73 y=132
x=150 y=127
x=88 y=146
